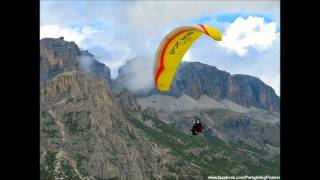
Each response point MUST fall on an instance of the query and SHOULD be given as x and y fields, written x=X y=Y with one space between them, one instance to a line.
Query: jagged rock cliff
x=80 y=120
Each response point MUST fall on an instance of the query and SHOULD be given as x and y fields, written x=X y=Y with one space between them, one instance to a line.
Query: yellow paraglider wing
x=172 y=49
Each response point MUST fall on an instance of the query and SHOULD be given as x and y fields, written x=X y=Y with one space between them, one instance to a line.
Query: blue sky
x=117 y=31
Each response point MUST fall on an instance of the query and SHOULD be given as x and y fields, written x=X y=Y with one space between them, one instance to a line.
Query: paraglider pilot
x=196 y=127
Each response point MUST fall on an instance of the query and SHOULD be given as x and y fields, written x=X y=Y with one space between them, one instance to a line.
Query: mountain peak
x=58 y=56
x=58 y=43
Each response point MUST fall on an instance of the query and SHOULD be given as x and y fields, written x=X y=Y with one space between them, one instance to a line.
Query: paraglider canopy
x=172 y=49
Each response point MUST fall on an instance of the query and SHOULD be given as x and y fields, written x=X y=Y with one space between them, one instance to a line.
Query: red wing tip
x=204 y=29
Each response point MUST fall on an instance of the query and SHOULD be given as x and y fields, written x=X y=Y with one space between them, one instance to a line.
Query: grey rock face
x=58 y=56
x=79 y=118
x=196 y=79
x=127 y=101
x=253 y=92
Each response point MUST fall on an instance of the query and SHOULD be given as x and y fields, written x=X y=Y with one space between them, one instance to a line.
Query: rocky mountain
x=80 y=121
x=196 y=79
x=88 y=131
x=58 y=56
x=85 y=134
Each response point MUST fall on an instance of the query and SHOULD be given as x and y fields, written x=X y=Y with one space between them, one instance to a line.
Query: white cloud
x=251 y=32
x=87 y=30
x=187 y=56
x=78 y=35
x=55 y=31
x=140 y=73
x=154 y=16
x=264 y=65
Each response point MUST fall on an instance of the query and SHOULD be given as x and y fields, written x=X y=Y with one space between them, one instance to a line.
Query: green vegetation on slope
x=47 y=166
x=193 y=150
x=52 y=167
x=211 y=155
x=77 y=122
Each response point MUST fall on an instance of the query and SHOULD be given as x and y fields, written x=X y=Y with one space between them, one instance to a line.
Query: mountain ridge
x=196 y=79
